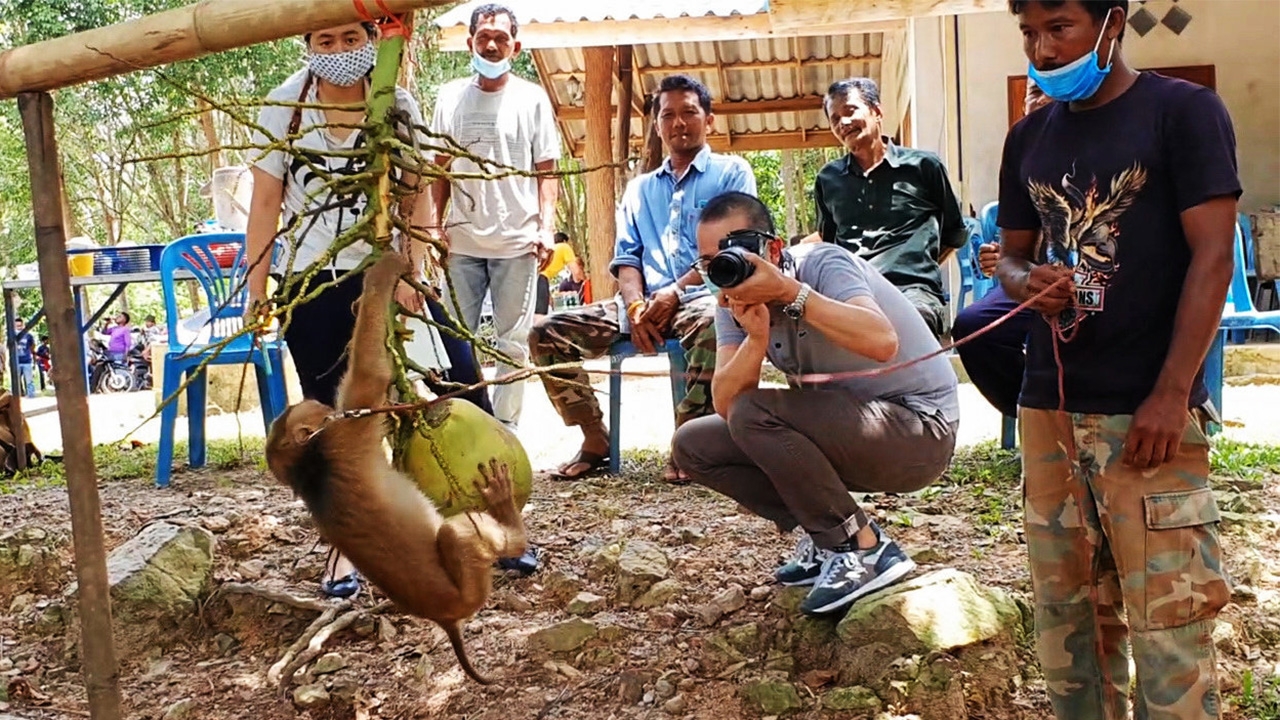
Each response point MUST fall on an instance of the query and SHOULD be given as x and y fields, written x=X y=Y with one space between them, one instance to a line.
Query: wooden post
x=626 y=96
x=97 y=642
x=601 y=193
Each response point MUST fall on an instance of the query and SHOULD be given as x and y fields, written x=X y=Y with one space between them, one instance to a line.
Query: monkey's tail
x=454 y=631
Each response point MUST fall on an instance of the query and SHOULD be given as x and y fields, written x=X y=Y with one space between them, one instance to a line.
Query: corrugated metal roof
x=767 y=69
x=549 y=11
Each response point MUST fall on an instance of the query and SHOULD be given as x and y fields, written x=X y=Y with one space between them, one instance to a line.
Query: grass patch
x=985 y=464
x=115 y=463
x=1259 y=698
x=1244 y=460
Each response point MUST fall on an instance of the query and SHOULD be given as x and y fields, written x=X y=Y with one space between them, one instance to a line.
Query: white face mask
x=344 y=69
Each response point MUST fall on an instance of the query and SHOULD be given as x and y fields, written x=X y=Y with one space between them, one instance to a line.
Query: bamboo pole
x=601 y=195
x=97 y=642
x=205 y=27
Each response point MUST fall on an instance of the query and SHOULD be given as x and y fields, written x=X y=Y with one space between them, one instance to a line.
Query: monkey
x=375 y=515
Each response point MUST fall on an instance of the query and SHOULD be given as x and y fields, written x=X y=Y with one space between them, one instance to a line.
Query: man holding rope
x=1131 y=178
x=848 y=422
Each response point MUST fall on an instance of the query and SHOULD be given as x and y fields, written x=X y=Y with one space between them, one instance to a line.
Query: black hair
x=733 y=202
x=493 y=10
x=866 y=88
x=561 y=237
x=127 y=319
x=1099 y=9
x=683 y=83
x=371 y=28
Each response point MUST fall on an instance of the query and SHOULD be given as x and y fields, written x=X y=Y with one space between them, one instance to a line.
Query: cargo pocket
x=1184 y=581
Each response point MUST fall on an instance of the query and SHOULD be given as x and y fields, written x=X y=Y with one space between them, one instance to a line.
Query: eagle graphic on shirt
x=1080 y=229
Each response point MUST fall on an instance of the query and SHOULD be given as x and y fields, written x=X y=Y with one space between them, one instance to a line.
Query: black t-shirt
x=1106 y=186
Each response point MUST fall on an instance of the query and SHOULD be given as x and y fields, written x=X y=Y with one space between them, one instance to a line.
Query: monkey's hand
x=389 y=268
x=494 y=485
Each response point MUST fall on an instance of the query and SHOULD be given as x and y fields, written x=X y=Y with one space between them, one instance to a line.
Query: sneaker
x=847 y=576
x=805 y=564
x=527 y=564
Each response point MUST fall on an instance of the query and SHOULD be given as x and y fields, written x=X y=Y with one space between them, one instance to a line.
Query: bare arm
x=857 y=325
x=264 y=220
x=737 y=371
x=441 y=190
x=1022 y=279
x=548 y=194
x=630 y=284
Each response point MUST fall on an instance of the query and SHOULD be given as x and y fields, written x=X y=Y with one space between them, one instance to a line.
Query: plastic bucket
x=80 y=264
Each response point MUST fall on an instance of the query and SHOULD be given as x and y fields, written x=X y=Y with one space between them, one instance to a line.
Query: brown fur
x=430 y=567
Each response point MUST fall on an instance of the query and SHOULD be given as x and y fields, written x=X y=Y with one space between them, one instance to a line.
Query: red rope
x=391 y=24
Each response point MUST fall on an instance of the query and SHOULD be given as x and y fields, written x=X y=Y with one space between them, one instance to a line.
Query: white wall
x=1239 y=37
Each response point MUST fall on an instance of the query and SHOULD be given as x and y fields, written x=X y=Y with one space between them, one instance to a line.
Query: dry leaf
x=819 y=678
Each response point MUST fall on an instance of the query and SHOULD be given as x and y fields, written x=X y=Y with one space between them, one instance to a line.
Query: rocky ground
x=654 y=602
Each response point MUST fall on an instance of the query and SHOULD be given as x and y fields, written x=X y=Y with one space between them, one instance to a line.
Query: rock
x=158 y=579
x=937 y=612
x=585 y=603
x=179 y=710
x=772 y=697
x=310 y=696
x=560 y=588
x=640 y=565
x=603 y=563
x=744 y=638
x=780 y=661
x=675 y=705
x=692 y=536
x=30 y=561
x=718 y=654
x=564 y=637
x=215 y=523
x=660 y=594
x=731 y=599
x=761 y=592
x=630 y=687
x=328 y=664
x=663 y=688
x=515 y=602
x=252 y=569
x=788 y=599
x=856 y=699
x=225 y=642
x=21 y=604
x=928 y=556
x=387 y=630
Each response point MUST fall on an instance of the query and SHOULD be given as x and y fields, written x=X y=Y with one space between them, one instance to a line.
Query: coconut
x=444 y=448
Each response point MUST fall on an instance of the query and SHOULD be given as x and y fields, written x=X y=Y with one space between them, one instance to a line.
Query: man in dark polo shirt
x=890 y=205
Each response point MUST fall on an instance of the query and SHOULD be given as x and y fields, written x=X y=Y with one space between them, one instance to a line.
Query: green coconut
x=444 y=448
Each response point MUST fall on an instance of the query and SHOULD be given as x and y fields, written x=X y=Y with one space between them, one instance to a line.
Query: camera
x=731 y=266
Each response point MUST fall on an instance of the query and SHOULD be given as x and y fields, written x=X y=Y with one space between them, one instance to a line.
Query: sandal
x=343 y=587
x=527 y=564
x=594 y=462
x=673 y=474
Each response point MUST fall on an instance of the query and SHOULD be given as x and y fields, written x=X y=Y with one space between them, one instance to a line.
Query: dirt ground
x=396 y=667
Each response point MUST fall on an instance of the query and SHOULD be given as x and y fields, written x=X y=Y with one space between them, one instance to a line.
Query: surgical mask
x=489 y=69
x=1078 y=80
x=713 y=288
x=344 y=69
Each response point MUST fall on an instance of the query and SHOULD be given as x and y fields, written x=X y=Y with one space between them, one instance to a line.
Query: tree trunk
x=790 y=194
x=210 y=135
x=601 y=194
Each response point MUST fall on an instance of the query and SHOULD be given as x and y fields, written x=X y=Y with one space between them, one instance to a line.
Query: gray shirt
x=798 y=348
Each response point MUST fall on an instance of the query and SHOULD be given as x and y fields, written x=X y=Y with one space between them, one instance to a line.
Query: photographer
x=793 y=455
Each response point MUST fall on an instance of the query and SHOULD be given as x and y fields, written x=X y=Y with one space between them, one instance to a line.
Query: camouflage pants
x=1105 y=538
x=588 y=332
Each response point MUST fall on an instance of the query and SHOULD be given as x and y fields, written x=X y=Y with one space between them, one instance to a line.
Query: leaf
x=819 y=678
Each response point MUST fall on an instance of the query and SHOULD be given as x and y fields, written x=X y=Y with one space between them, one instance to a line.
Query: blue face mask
x=711 y=287
x=489 y=69
x=1078 y=80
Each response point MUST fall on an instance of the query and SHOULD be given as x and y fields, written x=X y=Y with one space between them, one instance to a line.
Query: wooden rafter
x=792 y=140
x=741 y=107
x=739 y=67
x=724 y=85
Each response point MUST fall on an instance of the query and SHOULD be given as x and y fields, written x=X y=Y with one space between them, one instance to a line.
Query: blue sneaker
x=849 y=575
x=527 y=564
x=805 y=564
x=343 y=587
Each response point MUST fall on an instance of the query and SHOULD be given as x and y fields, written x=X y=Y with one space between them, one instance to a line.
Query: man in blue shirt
x=26 y=356
x=660 y=295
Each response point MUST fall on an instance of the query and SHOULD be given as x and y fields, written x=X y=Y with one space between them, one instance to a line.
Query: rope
x=390 y=23
x=816 y=378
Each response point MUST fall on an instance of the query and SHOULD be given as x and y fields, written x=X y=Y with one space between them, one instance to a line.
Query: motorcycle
x=111 y=376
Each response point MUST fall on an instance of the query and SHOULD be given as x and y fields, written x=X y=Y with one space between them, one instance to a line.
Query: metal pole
x=101 y=671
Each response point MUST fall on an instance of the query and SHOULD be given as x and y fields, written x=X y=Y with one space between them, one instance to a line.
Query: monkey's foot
x=495 y=487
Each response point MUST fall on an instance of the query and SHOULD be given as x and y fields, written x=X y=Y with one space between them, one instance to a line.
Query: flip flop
x=595 y=462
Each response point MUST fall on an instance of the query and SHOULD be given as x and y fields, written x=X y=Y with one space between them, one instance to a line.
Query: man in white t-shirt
x=497 y=229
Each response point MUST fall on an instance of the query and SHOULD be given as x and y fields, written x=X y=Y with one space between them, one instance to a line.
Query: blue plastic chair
x=618 y=352
x=1238 y=314
x=991 y=234
x=1237 y=337
x=226 y=294
x=968 y=275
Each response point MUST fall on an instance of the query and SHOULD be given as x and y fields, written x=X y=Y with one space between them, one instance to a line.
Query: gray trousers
x=793 y=456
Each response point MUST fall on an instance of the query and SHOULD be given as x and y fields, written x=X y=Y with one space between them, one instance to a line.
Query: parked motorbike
x=111 y=376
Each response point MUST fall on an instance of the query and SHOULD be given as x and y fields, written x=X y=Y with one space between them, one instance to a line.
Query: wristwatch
x=795 y=310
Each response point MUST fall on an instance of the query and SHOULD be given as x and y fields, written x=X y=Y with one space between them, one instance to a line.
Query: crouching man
x=793 y=455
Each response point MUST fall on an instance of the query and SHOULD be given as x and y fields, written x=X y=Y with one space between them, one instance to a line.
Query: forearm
x=630 y=285
x=548 y=195
x=1013 y=273
x=855 y=326
x=1199 y=313
x=687 y=280
x=439 y=195
x=738 y=375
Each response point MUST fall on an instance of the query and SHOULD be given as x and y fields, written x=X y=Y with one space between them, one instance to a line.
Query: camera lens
x=729 y=268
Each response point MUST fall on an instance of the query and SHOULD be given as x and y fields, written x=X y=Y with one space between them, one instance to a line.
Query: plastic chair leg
x=615 y=415
x=279 y=394
x=1213 y=372
x=679 y=374
x=1008 y=432
x=197 y=393
x=265 y=399
x=168 y=419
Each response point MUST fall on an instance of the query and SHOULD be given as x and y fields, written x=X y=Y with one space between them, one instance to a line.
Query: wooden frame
x=1206 y=75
